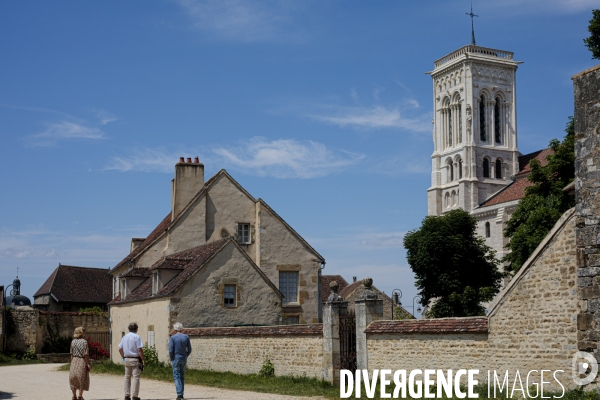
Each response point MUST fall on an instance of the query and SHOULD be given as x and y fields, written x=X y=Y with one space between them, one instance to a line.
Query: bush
x=29 y=354
x=150 y=354
x=96 y=351
x=54 y=344
x=267 y=370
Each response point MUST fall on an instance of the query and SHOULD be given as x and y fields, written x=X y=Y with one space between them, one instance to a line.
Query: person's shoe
x=135 y=398
x=179 y=398
x=127 y=398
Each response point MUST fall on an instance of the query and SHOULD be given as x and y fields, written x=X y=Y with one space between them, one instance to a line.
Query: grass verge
x=7 y=360
x=291 y=386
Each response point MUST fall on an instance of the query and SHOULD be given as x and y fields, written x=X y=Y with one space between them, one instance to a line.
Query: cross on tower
x=17 y=272
x=472 y=27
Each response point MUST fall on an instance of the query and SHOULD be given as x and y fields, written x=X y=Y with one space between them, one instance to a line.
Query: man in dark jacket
x=179 y=350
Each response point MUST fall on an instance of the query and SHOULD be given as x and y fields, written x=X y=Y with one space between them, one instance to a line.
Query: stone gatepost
x=587 y=189
x=368 y=308
x=331 y=335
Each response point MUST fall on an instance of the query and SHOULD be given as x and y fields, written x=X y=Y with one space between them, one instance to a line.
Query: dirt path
x=44 y=382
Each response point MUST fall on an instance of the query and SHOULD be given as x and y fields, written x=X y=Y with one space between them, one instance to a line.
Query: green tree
x=593 y=42
x=453 y=265
x=544 y=201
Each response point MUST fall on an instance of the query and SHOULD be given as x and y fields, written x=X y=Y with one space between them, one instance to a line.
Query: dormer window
x=154 y=282
x=243 y=233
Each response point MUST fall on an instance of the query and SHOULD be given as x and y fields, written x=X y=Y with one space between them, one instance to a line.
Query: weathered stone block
x=589 y=292
x=585 y=321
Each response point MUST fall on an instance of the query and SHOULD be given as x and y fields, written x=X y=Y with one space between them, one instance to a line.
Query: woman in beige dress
x=79 y=375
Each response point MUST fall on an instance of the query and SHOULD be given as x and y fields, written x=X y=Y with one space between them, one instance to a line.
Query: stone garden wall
x=293 y=349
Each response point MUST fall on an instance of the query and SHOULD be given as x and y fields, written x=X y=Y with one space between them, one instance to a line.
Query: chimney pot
x=181 y=159
x=189 y=160
x=196 y=160
x=353 y=279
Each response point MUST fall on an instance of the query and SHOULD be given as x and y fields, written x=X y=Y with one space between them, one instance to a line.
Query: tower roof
x=474 y=52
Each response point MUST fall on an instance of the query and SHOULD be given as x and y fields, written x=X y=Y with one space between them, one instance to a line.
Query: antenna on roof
x=472 y=26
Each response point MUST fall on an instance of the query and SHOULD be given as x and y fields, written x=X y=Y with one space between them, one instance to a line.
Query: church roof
x=516 y=189
x=78 y=284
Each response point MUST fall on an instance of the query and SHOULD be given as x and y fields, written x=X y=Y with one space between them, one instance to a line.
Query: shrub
x=267 y=370
x=57 y=344
x=96 y=351
x=150 y=354
x=29 y=354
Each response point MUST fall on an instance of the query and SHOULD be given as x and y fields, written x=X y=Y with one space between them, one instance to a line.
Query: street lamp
x=418 y=307
x=396 y=296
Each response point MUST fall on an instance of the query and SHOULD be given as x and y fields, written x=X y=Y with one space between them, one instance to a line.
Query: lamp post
x=396 y=296
x=418 y=307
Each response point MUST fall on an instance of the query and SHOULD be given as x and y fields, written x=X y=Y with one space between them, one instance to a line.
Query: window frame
x=486 y=167
x=241 y=235
x=286 y=290
x=488 y=230
x=227 y=298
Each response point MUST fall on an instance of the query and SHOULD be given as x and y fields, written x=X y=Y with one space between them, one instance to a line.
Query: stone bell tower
x=474 y=127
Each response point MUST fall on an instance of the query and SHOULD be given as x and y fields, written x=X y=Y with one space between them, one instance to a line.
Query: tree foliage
x=593 y=42
x=544 y=201
x=453 y=265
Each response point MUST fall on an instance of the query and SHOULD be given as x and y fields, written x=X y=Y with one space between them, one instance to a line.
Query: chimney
x=189 y=179
x=353 y=279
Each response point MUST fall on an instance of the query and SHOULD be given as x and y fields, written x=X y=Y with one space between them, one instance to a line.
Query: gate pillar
x=331 y=335
x=368 y=309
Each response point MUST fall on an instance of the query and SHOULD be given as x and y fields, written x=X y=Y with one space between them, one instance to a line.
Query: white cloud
x=65 y=130
x=373 y=117
x=286 y=158
x=145 y=160
x=105 y=117
x=245 y=21
x=379 y=240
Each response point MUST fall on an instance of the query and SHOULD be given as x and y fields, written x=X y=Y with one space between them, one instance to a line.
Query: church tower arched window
x=486 y=167
x=497 y=126
x=458 y=109
x=450 y=126
x=488 y=230
x=451 y=172
x=460 y=167
x=498 y=169
x=482 y=132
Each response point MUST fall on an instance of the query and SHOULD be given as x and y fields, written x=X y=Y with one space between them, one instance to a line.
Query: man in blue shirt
x=179 y=350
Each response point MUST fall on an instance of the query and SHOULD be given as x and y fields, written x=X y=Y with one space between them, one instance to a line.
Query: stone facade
x=587 y=185
x=204 y=212
x=294 y=350
x=532 y=324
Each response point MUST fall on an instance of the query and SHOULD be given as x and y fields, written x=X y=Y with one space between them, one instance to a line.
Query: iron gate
x=347 y=340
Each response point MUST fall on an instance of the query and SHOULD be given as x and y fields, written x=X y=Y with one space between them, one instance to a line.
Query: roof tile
x=78 y=284
x=437 y=325
x=280 y=330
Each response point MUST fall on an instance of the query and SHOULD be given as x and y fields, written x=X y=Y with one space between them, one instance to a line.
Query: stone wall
x=293 y=349
x=587 y=184
x=29 y=328
x=21 y=329
x=532 y=325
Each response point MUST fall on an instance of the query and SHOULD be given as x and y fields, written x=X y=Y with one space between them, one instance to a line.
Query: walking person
x=79 y=374
x=179 y=350
x=132 y=356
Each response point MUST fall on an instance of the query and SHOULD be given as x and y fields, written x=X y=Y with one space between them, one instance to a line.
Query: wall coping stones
x=280 y=330
x=437 y=325
x=72 y=313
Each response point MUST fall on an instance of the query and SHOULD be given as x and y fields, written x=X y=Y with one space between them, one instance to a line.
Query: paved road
x=45 y=382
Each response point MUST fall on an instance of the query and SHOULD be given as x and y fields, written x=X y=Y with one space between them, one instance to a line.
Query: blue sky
x=321 y=108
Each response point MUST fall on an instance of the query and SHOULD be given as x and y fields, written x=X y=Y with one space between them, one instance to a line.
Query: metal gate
x=347 y=339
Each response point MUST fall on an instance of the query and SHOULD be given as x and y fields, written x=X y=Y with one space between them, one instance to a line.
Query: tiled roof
x=78 y=284
x=171 y=262
x=345 y=292
x=540 y=155
x=326 y=280
x=280 y=330
x=516 y=190
x=194 y=259
x=151 y=238
x=437 y=325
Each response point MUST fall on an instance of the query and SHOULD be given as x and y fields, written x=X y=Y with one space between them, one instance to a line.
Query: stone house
x=71 y=288
x=206 y=212
x=215 y=284
x=351 y=292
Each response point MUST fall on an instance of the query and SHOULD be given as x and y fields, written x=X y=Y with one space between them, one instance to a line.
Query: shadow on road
x=6 y=395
